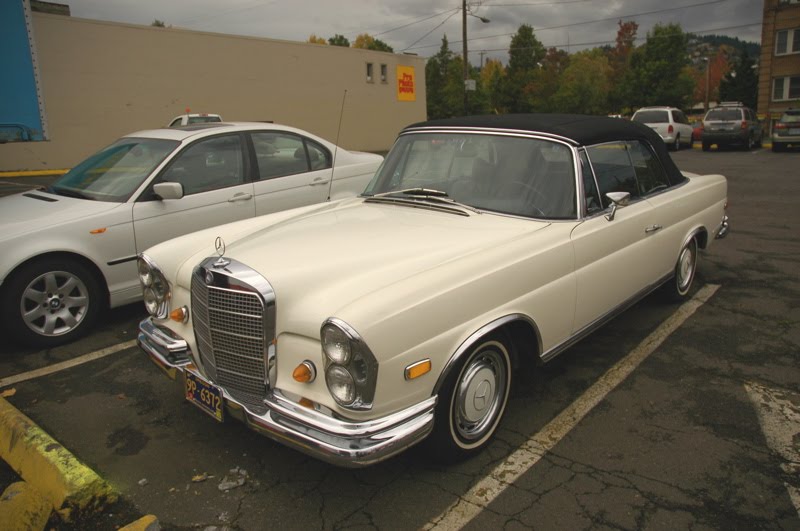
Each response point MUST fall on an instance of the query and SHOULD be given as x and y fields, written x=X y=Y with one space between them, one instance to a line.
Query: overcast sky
x=418 y=25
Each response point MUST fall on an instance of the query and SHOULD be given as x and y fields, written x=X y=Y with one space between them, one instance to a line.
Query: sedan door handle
x=653 y=228
x=240 y=197
x=318 y=181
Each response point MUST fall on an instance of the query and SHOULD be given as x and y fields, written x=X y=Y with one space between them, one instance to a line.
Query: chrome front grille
x=233 y=312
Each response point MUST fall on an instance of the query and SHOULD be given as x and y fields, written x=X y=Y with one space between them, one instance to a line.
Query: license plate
x=794 y=131
x=204 y=395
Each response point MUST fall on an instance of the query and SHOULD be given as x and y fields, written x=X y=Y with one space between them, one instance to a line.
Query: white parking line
x=56 y=367
x=506 y=473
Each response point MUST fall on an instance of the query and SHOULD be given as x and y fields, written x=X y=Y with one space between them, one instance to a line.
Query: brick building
x=779 y=72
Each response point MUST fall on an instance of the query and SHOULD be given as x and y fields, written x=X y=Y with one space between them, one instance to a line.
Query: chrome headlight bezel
x=156 y=290
x=343 y=349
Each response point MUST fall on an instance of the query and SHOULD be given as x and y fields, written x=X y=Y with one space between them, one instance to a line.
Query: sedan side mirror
x=618 y=199
x=168 y=190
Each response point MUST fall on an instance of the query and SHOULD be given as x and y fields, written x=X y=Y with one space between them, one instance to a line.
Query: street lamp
x=485 y=20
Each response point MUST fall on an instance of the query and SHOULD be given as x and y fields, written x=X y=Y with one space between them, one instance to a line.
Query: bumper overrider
x=338 y=441
x=723 y=228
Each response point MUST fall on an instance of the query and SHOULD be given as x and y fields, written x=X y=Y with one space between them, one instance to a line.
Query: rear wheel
x=50 y=302
x=471 y=402
x=685 y=268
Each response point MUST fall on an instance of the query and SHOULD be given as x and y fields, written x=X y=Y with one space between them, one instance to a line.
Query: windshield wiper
x=68 y=193
x=427 y=194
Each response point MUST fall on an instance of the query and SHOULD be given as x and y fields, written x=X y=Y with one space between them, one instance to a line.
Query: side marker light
x=415 y=370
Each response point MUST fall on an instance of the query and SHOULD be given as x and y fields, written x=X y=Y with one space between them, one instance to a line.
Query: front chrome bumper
x=338 y=441
x=723 y=229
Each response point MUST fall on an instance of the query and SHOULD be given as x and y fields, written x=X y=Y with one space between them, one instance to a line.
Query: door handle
x=240 y=197
x=653 y=228
x=318 y=181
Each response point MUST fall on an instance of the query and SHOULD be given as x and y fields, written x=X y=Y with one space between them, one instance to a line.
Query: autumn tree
x=491 y=77
x=717 y=66
x=313 y=39
x=366 y=41
x=547 y=79
x=619 y=59
x=339 y=40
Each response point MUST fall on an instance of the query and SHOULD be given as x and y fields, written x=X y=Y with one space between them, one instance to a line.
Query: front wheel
x=471 y=402
x=685 y=268
x=50 y=302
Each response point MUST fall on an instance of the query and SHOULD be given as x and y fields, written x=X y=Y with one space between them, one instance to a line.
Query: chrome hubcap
x=479 y=395
x=686 y=268
x=54 y=303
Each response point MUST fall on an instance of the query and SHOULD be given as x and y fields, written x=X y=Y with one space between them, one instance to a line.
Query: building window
x=383 y=73
x=787 y=41
x=369 y=72
x=786 y=88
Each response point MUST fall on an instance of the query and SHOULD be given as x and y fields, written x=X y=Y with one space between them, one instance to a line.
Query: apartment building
x=779 y=72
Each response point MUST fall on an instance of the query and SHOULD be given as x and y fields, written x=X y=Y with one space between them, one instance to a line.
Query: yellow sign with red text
x=406 y=91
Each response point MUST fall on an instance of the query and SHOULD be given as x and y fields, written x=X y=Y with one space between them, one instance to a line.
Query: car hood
x=36 y=210
x=322 y=261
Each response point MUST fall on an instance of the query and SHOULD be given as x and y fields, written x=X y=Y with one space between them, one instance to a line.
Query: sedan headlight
x=351 y=370
x=157 y=292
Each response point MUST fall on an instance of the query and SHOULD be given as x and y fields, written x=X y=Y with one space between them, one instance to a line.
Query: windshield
x=115 y=172
x=506 y=174
x=723 y=115
x=651 y=117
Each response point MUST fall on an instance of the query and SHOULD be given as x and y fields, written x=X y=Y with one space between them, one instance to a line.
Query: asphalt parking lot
x=701 y=432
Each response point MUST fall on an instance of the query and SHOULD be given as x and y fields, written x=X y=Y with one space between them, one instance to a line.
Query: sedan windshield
x=507 y=174
x=114 y=173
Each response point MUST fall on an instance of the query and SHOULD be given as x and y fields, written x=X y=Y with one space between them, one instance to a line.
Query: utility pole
x=708 y=69
x=466 y=57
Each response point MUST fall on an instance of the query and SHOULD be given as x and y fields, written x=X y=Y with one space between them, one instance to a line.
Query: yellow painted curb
x=69 y=485
x=32 y=173
x=145 y=523
x=23 y=508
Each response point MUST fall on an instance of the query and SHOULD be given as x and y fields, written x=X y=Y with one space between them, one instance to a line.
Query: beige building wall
x=103 y=80
x=778 y=16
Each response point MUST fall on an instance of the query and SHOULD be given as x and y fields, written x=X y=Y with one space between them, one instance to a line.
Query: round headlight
x=145 y=273
x=336 y=344
x=151 y=302
x=341 y=384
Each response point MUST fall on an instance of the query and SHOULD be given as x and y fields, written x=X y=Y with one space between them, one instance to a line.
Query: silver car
x=731 y=124
x=787 y=131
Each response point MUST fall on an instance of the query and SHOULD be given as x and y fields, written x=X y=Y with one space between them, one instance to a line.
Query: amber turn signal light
x=180 y=315
x=415 y=370
x=305 y=372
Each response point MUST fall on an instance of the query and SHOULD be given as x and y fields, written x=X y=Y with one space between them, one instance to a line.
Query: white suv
x=669 y=122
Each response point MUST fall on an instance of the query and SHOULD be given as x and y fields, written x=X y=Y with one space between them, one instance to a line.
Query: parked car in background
x=70 y=249
x=787 y=131
x=731 y=124
x=194 y=118
x=669 y=122
x=366 y=325
x=697 y=130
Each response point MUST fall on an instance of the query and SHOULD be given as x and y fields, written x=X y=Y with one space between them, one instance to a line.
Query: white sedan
x=354 y=330
x=70 y=249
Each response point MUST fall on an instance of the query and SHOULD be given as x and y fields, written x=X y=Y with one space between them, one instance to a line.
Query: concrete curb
x=68 y=486
x=145 y=523
x=22 y=507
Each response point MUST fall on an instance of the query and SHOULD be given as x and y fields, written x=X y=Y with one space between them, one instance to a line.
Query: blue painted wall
x=20 y=116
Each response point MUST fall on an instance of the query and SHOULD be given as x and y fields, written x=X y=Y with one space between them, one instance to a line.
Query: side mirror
x=166 y=191
x=618 y=199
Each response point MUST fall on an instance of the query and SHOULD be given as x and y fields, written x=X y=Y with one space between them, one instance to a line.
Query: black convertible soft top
x=581 y=129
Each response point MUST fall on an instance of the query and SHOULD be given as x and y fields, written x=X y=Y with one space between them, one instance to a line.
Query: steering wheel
x=535 y=192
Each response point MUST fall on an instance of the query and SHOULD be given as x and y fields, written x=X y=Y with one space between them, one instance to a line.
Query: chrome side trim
x=600 y=321
x=314 y=431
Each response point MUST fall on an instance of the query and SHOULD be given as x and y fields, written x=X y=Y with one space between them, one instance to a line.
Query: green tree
x=437 y=73
x=339 y=40
x=158 y=24
x=741 y=83
x=491 y=76
x=659 y=73
x=584 y=86
x=524 y=59
x=547 y=79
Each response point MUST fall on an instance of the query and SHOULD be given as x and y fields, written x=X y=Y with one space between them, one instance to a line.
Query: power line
x=617 y=17
x=416 y=21
x=434 y=29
